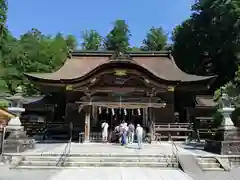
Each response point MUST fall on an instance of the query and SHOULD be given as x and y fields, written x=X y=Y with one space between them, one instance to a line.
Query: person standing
x=104 y=127
x=139 y=133
x=131 y=130
x=123 y=132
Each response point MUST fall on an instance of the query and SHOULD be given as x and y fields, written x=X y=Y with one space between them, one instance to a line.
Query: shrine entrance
x=114 y=96
x=114 y=116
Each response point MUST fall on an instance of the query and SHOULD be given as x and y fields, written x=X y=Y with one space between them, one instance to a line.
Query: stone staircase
x=51 y=161
x=209 y=164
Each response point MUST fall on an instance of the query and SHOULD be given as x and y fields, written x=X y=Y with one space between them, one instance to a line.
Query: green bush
x=217 y=119
x=236 y=116
x=4 y=104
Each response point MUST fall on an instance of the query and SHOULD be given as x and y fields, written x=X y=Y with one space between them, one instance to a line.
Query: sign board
x=69 y=87
x=120 y=72
x=170 y=88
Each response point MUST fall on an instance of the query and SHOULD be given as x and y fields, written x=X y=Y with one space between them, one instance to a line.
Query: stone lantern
x=17 y=109
x=227 y=137
x=17 y=141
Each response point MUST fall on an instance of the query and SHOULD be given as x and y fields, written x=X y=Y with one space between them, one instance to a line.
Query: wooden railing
x=173 y=125
x=176 y=131
x=206 y=133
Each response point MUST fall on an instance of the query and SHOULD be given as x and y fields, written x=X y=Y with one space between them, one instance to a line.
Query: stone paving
x=117 y=173
x=7 y=174
x=94 y=148
x=102 y=173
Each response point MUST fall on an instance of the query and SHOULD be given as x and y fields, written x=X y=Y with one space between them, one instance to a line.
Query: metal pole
x=1 y=139
x=120 y=103
x=3 y=129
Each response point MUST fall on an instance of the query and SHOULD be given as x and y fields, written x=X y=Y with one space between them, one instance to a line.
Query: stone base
x=18 y=141
x=223 y=147
x=226 y=141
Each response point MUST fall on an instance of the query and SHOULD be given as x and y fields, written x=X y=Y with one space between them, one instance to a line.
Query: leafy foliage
x=118 y=38
x=33 y=52
x=208 y=41
x=156 y=40
x=232 y=89
x=3 y=17
x=92 y=40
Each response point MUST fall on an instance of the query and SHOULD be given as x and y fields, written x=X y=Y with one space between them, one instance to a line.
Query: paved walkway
x=102 y=173
x=117 y=173
x=98 y=148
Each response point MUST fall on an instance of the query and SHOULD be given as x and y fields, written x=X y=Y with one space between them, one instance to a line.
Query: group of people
x=125 y=133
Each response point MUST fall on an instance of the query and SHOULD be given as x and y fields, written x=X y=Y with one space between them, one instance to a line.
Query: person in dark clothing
x=195 y=129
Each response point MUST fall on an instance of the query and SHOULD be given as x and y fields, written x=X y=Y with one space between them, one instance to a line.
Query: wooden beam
x=123 y=104
x=119 y=89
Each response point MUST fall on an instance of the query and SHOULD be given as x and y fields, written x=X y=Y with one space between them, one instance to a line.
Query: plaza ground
x=106 y=173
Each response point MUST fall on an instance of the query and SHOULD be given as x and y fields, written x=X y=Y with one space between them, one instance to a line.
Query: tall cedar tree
x=118 y=38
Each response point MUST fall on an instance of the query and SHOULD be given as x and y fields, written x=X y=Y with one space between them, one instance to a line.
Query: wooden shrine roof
x=82 y=63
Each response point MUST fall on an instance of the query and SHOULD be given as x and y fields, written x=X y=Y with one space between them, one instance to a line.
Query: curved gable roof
x=81 y=64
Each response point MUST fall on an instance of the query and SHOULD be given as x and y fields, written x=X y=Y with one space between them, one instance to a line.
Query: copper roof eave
x=209 y=79
x=150 y=62
x=37 y=77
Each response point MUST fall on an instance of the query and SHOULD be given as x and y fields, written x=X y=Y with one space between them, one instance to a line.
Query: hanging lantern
x=80 y=108
x=125 y=112
x=107 y=111
x=100 y=110
x=139 y=112
x=113 y=112
x=94 y=111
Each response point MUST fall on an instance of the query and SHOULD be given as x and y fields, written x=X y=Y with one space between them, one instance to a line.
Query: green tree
x=232 y=89
x=208 y=41
x=118 y=38
x=3 y=17
x=135 y=49
x=156 y=40
x=71 y=42
x=34 y=52
x=91 y=40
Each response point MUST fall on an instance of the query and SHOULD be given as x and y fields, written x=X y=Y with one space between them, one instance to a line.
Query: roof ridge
x=130 y=53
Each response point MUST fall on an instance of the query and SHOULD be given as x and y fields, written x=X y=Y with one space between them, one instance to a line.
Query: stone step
x=212 y=169
x=63 y=167
x=92 y=155
x=207 y=160
x=209 y=165
x=102 y=159
x=99 y=164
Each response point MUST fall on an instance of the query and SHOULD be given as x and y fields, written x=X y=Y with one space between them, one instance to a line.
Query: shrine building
x=145 y=88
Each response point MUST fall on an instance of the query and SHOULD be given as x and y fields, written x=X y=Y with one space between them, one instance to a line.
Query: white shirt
x=139 y=131
x=104 y=127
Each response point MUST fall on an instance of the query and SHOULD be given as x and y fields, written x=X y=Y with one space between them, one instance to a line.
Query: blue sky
x=74 y=16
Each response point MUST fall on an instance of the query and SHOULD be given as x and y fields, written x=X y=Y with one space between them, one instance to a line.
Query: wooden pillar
x=151 y=117
x=87 y=126
x=171 y=91
x=151 y=122
x=145 y=117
